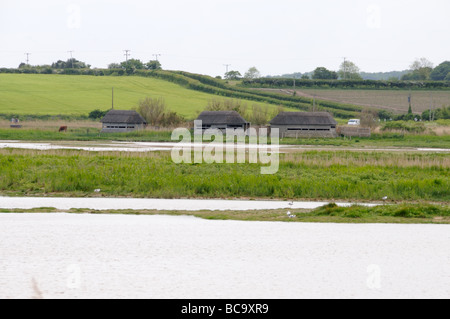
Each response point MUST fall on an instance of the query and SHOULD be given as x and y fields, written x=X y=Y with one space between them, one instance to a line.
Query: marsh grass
x=394 y=214
x=362 y=159
x=309 y=175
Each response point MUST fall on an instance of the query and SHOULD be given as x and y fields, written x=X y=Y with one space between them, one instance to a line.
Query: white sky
x=200 y=36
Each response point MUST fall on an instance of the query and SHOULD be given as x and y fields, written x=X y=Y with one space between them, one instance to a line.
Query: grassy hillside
x=77 y=95
x=184 y=93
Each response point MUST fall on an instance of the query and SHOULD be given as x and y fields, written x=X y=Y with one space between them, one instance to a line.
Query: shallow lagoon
x=123 y=256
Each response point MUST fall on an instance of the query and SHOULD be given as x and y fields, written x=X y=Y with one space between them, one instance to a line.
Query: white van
x=354 y=122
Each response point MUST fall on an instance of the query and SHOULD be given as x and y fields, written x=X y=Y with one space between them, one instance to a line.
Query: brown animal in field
x=63 y=129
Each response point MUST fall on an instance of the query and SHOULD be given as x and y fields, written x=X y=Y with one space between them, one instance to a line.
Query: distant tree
x=59 y=65
x=153 y=65
x=441 y=71
x=385 y=115
x=114 y=66
x=278 y=110
x=133 y=64
x=23 y=65
x=420 y=70
x=410 y=109
x=252 y=74
x=324 y=74
x=349 y=71
x=227 y=105
x=447 y=78
x=233 y=75
x=421 y=64
x=369 y=118
x=383 y=76
x=152 y=110
x=305 y=77
x=97 y=114
x=70 y=64
x=171 y=119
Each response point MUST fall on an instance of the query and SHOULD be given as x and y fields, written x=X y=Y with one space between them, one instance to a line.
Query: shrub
x=410 y=127
x=97 y=114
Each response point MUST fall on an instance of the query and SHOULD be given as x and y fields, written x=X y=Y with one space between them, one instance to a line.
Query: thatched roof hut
x=116 y=121
x=222 y=120
x=305 y=124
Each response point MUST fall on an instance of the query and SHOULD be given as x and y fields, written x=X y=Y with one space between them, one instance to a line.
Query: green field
x=79 y=95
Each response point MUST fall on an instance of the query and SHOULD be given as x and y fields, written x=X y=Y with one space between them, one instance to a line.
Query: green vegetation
x=79 y=95
x=441 y=72
x=411 y=127
x=377 y=140
x=308 y=175
x=83 y=134
x=324 y=74
x=346 y=84
x=403 y=213
x=187 y=94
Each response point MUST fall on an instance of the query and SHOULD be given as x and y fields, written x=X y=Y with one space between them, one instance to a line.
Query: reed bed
x=309 y=175
x=361 y=159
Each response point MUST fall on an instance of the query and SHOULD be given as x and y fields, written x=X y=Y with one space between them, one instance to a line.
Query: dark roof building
x=222 y=120
x=116 y=121
x=305 y=124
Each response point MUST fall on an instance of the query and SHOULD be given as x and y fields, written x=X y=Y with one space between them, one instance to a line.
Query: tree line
x=420 y=70
x=74 y=66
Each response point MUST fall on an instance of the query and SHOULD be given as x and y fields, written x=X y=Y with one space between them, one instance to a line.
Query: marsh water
x=123 y=256
x=154 y=204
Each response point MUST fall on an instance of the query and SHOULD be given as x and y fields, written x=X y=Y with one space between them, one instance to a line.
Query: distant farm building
x=116 y=121
x=222 y=120
x=305 y=124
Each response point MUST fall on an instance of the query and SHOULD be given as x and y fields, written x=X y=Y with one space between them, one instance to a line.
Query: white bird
x=385 y=198
x=289 y=213
x=97 y=190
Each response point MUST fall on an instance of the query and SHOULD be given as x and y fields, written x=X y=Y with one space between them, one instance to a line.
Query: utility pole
x=294 y=85
x=28 y=58
x=410 y=102
x=71 y=57
x=127 y=54
x=431 y=108
x=113 y=98
x=345 y=68
x=227 y=66
x=156 y=56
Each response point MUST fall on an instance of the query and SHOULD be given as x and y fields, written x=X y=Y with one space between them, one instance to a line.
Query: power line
x=345 y=68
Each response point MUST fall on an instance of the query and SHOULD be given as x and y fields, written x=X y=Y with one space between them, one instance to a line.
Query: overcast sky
x=201 y=36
